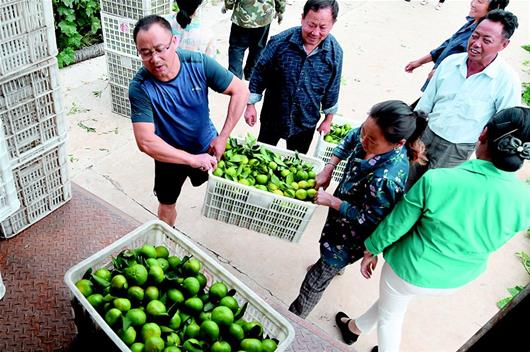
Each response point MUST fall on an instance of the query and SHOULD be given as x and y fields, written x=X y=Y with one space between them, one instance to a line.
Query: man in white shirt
x=465 y=92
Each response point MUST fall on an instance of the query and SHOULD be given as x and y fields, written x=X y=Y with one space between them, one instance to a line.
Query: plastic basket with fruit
x=154 y=290
x=263 y=188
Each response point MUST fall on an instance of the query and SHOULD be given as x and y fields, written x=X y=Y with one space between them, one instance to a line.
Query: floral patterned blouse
x=369 y=189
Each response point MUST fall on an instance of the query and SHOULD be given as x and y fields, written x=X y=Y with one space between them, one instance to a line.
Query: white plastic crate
x=30 y=109
x=158 y=233
x=42 y=186
x=27 y=34
x=258 y=210
x=122 y=68
x=324 y=150
x=118 y=34
x=8 y=193
x=119 y=98
x=135 y=9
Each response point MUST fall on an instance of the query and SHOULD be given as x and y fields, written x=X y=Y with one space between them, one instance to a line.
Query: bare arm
x=238 y=100
x=411 y=66
x=154 y=146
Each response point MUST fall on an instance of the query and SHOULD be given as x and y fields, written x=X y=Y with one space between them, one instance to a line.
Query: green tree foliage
x=77 y=25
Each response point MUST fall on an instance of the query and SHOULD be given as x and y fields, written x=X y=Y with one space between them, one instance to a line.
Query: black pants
x=241 y=39
x=299 y=142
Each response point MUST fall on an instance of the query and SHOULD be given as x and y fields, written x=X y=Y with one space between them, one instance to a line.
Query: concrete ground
x=379 y=38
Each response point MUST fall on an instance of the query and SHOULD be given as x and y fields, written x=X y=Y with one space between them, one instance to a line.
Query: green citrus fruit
x=209 y=330
x=244 y=181
x=262 y=179
x=123 y=304
x=194 y=304
x=217 y=291
x=223 y=316
x=272 y=165
x=155 y=308
x=149 y=330
x=85 y=287
x=311 y=193
x=175 y=321
x=104 y=274
x=154 y=344
x=152 y=292
x=302 y=184
x=294 y=185
x=192 y=267
x=230 y=302
x=175 y=295
x=191 y=285
x=174 y=261
x=311 y=174
x=137 y=347
x=137 y=274
x=251 y=345
x=136 y=316
x=231 y=171
x=218 y=172
x=205 y=316
x=261 y=187
x=112 y=316
x=172 y=349
x=162 y=252
x=156 y=274
x=301 y=175
x=272 y=187
x=202 y=280
x=152 y=262
x=164 y=263
x=268 y=345
x=311 y=183
x=119 y=282
x=285 y=172
x=148 y=251
x=221 y=346
x=192 y=330
x=95 y=300
x=236 y=332
x=278 y=192
x=135 y=293
x=172 y=339
x=301 y=194
x=128 y=336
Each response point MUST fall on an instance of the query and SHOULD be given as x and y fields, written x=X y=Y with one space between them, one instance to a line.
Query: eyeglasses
x=146 y=54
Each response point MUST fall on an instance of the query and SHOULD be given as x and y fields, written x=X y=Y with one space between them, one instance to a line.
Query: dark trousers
x=241 y=39
x=299 y=142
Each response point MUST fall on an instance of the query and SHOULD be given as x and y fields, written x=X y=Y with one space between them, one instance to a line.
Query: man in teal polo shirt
x=170 y=112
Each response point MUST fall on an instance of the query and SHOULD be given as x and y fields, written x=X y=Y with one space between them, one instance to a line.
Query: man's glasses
x=146 y=54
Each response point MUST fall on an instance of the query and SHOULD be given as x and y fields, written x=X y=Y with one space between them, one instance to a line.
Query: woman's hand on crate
x=326 y=199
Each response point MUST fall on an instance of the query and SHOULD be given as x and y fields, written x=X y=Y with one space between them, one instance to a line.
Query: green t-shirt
x=442 y=232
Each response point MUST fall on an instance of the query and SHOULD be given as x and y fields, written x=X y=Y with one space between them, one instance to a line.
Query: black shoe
x=375 y=349
x=348 y=336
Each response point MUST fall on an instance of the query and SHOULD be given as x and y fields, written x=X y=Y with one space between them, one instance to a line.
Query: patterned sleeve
x=331 y=97
x=258 y=81
x=380 y=197
x=348 y=144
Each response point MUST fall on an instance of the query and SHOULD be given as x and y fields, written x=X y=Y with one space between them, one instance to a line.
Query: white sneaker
x=424 y=2
x=438 y=7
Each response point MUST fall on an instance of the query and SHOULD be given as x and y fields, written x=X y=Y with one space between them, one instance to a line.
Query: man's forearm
x=236 y=106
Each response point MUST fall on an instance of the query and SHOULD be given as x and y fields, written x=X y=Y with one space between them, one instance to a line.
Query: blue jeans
x=241 y=39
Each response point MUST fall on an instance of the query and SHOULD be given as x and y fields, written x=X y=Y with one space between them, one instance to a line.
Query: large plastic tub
x=119 y=99
x=27 y=34
x=158 y=233
x=122 y=68
x=30 y=110
x=324 y=150
x=42 y=185
x=118 y=34
x=257 y=210
x=135 y=9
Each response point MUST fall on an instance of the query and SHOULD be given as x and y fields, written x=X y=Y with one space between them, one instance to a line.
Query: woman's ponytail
x=183 y=18
x=415 y=147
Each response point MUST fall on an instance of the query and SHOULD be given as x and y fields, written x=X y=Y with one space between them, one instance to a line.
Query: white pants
x=388 y=311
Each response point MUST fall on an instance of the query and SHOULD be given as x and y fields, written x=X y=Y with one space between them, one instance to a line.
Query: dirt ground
x=379 y=38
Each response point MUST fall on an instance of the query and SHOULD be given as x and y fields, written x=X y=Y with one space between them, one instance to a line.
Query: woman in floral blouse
x=374 y=180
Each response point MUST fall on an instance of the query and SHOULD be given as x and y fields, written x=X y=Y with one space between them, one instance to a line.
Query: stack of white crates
x=33 y=126
x=117 y=20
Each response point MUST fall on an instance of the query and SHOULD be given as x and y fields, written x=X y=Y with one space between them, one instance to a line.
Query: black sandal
x=348 y=336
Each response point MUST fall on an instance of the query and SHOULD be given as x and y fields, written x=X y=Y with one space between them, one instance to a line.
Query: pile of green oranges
x=252 y=165
x=157 y=302
x=337 y=133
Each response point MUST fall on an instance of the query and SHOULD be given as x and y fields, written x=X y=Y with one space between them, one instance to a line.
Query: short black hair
x=498 y=4
x=507 y=19
x=146 y=22
x=186 y=9
x=315 y=5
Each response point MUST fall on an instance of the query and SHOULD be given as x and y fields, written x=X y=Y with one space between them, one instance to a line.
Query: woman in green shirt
x=430 y=244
